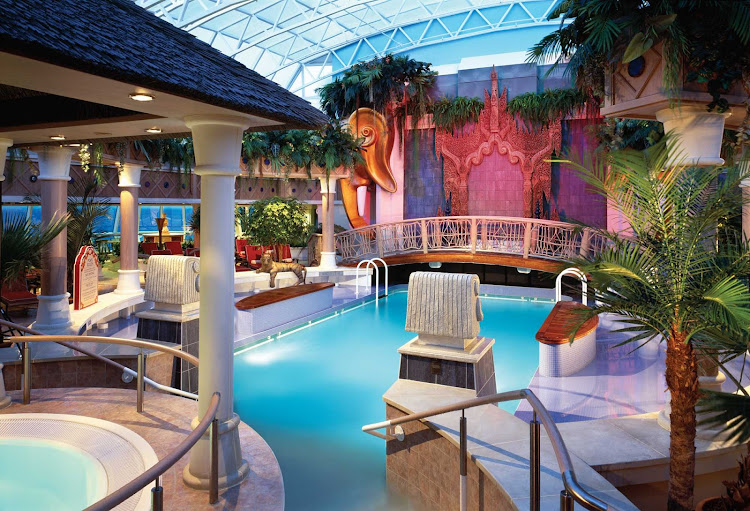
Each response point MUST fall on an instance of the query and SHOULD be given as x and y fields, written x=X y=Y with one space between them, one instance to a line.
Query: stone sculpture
x=172 y=280
x=444 y=308
x=268 y=265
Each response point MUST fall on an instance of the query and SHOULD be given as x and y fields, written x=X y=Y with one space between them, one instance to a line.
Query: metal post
x=462 y=464
x=213 y=489
x=139 y=381
x=425 y=236
x=26 y=373
x=157 y=496
x=534 y=464
x=566 y=501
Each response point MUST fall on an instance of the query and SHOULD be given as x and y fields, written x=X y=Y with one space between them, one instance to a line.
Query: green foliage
x=195 y=220
x=330 y=147
x=277 y=220
x=451 y=114
x=615 y=134
x=537 y=109
x=173 y=153
x=85 y=207
x=242 y=219
x=22 y=245
x=710 y=37
x=381 y=83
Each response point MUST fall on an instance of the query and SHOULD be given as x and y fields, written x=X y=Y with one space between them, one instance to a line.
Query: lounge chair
x=174 y=246
x=17 y=294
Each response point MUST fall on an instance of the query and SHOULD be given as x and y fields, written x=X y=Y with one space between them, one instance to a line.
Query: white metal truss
x=301 y=43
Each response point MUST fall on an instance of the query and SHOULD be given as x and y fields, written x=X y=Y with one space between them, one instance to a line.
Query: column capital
x=328 y=184
x=217 y=141
x=130 y=175
x=54 y=162
x=5 y=144
x=745 y=183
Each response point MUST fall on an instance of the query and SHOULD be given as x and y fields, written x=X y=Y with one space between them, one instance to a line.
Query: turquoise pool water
x=310 y=392
x=39 y=474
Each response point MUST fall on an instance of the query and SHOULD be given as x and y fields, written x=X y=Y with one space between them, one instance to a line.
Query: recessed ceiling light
x=153 y=130
x=57 y=137
x=141 y=96
x=73 y=145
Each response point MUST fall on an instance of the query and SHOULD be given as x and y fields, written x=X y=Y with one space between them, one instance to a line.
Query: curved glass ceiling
x=300 y=44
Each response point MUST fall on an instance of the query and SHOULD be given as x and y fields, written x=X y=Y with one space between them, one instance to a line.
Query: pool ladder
x=372 y=262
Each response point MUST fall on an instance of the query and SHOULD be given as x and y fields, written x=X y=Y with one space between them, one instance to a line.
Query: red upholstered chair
x=148 y=247
x=252 y=254
x=161 y=252
x=174 y=246
x=239 y=247
x=194 y=252
x=17 y=294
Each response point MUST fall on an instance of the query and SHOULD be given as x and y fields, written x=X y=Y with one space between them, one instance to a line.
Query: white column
x=5 y=144
x=328 y=248
x=745 y=187
x=53 y=314
x=217 y=140
x=128 y=276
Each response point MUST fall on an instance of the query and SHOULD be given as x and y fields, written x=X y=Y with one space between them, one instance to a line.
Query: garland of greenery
x=451 y=114
x=535 y=110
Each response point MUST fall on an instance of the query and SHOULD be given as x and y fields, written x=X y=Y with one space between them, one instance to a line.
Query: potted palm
x=671 y=281
x=277 y=221
x=686 y=64
x=195 y=226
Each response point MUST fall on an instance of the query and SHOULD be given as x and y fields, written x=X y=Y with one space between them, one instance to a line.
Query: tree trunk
x=682 y=381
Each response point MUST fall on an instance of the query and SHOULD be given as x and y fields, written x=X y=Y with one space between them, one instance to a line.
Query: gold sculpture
x=268 y=265
x=371 y=126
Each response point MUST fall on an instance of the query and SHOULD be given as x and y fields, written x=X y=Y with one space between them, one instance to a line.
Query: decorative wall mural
x=371 y=126
x=496 y=131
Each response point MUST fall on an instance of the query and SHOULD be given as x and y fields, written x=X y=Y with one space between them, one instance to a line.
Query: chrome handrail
x=155 y=472
x=65 y=340
x=573 y=490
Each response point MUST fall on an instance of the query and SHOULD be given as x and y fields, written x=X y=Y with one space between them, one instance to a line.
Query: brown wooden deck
x=279 y=295
x=534 y=263
x=558 y=326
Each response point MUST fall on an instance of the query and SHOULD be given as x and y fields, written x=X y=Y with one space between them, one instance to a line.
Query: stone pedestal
x=471 y=368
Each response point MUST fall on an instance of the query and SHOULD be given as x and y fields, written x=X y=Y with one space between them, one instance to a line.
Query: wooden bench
x=557 y=355
x=269 y=309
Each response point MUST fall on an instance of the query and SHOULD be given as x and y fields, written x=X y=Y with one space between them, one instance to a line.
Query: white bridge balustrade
x=524 y=237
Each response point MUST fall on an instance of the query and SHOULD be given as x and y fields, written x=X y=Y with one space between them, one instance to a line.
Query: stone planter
x=635 y=91
x=300 y=254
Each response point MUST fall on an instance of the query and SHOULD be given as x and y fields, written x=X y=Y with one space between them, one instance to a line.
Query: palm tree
x=22 y=245
x=672 y=281
x=84 y=209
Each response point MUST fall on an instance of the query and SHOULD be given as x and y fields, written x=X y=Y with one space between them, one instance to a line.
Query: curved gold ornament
x=369 y=125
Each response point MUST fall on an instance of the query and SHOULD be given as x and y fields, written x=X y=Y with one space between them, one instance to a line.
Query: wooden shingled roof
x=119 y=40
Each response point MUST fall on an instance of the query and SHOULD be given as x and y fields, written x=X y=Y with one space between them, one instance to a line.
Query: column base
x=128 y=282
x=232 y=468
x=4 y=398
x=327 y=260
x=53 y=315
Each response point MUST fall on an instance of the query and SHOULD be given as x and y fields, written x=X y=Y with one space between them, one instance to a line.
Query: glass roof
x=300 y=44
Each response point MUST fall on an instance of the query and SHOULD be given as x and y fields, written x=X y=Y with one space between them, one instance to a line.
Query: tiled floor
x=164 y=424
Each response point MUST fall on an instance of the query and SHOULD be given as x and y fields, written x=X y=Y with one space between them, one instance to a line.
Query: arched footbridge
x=508 y=241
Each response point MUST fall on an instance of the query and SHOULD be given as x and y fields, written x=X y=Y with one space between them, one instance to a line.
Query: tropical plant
x=242 y=219
x=85 y=207
x=382 y=84
x=174 y=153
x=615 y=134
x=709 y=39
x=195 y=220
x=536 y=109
x=451 y=114
x=22 y=244
x=671 y=281
x=277 y=221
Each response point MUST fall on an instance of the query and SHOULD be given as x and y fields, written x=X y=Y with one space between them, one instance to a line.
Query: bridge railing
x=525 y=237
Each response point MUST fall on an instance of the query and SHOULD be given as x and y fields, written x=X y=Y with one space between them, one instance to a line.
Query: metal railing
x=572 y=491
x=524 y=237
x=154 y=473
x=374 y=263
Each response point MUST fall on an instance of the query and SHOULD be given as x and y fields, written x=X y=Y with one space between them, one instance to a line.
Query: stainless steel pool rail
x=154 y=473
x=572 y=492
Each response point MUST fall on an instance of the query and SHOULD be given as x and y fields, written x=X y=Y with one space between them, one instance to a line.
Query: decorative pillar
x=217 y=140
x=328 y=249
x=128 y=276
x=53 y=314
x=745 y=187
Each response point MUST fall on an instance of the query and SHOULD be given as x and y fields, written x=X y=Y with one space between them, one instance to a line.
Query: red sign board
x=85 y=278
